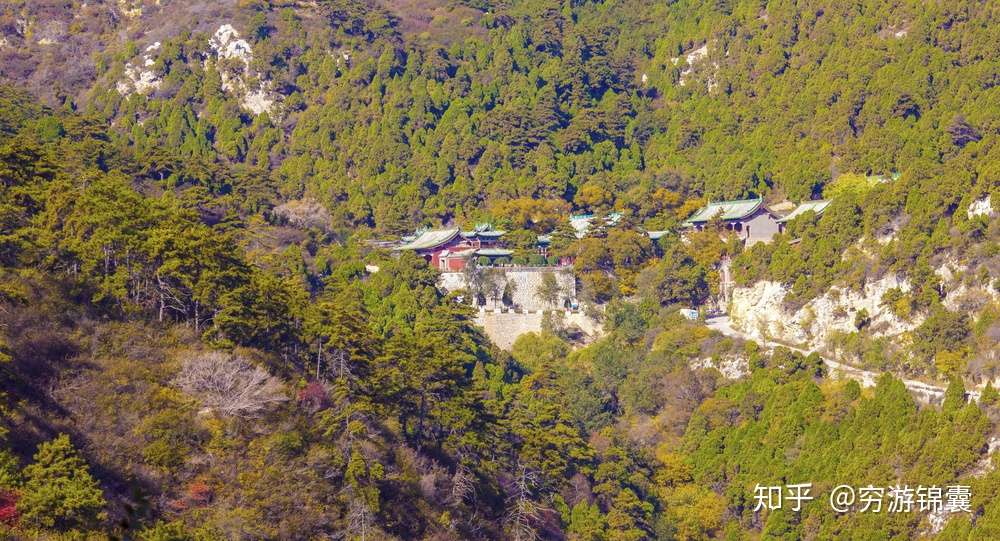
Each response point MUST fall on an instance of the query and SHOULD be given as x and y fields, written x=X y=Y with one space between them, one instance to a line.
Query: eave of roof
x=726 y=210
x=430 y=239
x=817 y=206
x=491 y=234
x=459 y=253
x=494 y=252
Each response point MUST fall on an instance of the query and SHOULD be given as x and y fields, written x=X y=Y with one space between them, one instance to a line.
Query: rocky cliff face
x=229 y=54
x=53 y=49
x=760 y=312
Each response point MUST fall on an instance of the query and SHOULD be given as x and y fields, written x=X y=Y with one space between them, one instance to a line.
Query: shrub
x=314 y=397
x=8 y=507
x=229 y=385
x=941 y=331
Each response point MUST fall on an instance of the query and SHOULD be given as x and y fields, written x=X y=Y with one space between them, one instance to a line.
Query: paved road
x=925 y=392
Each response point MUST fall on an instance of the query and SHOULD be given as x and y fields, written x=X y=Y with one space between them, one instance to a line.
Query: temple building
x=748 y=218
x=450 y=249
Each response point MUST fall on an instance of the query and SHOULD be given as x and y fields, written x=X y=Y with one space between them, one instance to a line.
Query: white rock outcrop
x=981 y=207
x=730 y=366
x=256 y=94
x=140 y=77
x=961 y=294
x=759 y=312
x=692 y=58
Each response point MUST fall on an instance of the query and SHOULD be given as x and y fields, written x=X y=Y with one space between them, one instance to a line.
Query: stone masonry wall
x=504 y=328
x=527 y=280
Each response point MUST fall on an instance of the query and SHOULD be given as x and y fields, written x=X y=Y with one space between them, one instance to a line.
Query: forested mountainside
x=193 y=344
x=397 y=113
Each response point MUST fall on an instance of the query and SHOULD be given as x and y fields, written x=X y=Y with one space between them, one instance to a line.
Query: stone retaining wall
x=503 y=328
x=527 y=280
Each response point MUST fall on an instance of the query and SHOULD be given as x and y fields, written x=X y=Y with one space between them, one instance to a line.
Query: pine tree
x=58 y=490
x=954 y=396
x=628 y=518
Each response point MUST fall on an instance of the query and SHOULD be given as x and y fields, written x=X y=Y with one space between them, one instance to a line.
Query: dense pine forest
x=202 y=337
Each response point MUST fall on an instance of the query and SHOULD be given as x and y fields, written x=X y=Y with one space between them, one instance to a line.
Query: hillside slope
x=198 y=342
x=405 y=113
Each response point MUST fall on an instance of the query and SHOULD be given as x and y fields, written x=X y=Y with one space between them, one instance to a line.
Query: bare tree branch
x=229 y=384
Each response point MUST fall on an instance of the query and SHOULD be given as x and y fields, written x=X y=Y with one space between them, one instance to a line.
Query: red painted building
x=450 y=249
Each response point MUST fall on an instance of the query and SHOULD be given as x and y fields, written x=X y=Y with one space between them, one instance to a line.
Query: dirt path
x=924 y=392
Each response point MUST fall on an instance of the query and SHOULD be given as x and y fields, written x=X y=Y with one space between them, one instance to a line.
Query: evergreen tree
x=58 y=490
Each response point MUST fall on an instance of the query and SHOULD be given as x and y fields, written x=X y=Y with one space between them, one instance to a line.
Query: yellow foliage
x=538 y=214
x=675 y=338
x=592 y=196
x=848 y=183
x=674 y=470
x=667 y=198
x=690 y=206
x=951 y=362
x=696 y=511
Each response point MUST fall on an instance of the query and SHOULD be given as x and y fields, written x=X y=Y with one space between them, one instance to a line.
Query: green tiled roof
x=725 y=210
x=581 y=222
x=491 y=234
x=817 y=206
x=430 y=239
x=494 y=252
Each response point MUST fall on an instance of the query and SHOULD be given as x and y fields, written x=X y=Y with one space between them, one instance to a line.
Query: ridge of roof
x=814 y=205
x=727 y=210
x=430 y=239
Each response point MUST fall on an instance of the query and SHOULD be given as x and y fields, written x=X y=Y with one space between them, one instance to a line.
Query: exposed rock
x=259 y=101
x=257 y=95
x=985 y=464
x=140 y=78
x=759 y=312
x=304 y=213
x=950 y=271
x=343 y=55
x=691 y=59
x=961 y=296
x=226 y=43
x=131 y=9
x=981 y=207
x=730 y=366
x=697 y=54
x=50 y=33
x=898 y=31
